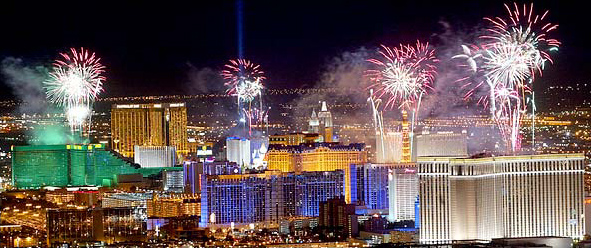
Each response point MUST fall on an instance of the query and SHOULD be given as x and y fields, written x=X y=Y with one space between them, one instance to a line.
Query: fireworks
x=403 y=74
x=508 y=59
x=248 y=90
x=243 y=78
x=255 y=117
x=74 y=83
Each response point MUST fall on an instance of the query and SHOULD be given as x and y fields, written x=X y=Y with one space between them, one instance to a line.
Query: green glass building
x=69 y=165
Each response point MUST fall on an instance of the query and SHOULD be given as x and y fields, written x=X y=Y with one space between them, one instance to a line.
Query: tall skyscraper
x=318 y=157
x=501 y=197
x=163 y=124
x=322 y=123
x=392 y=187
x=265 y=198
x=66 y=165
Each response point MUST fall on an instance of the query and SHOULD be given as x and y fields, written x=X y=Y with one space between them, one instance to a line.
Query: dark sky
x=148 y=47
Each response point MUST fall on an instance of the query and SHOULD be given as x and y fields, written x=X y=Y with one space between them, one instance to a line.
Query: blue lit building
x=265 y=197
x=391 y=188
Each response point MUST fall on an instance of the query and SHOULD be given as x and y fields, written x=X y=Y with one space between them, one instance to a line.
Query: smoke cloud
x=204 y=80
x=26 y=82
x=342 y=82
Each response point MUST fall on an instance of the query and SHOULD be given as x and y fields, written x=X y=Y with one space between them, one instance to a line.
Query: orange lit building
x=317 y=157
x=175 y=205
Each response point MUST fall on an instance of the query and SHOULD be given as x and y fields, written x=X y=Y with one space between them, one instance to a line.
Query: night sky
x=149 y=47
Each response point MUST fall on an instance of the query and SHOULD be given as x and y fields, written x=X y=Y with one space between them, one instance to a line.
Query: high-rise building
x=173 y=181
x=155 y=156
x=162 y=124
x=336 y=213
x=303 y=192
x=501 y=197
x=317 y=157
x=321 y=123
x=391 y=187
x=238 y=151
x=66 y=165
x=241 y=198
x=193 y=172
x=266 y=198
x=174 y=205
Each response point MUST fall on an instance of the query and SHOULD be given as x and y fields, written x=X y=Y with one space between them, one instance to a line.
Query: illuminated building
x=120 y=200
x=82 y=196
x=266 y=197
x=321 y=123
x=392 y=187
x=390 y=150
x=174 y=205
x=501 y=197
x=336 y=213
x=173 y=181
x=154 y=156
x=66 y=165
x=162 y=124
x=241 y=198
x=441 y=144
x=95 y=224
x=238 y=151
x=194 y=170
x=406 y=133
x=294 y=139
x=317 y=157
x=303 y=192
x=258 y=149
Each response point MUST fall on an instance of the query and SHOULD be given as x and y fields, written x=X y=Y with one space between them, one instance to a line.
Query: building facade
x=321 y=123
x=391 y=187
x=317 y=157
x=66 y=165
x=155 y=156
x=238 y=151
x=501 y=197
x=161 y=124
x=266 y=198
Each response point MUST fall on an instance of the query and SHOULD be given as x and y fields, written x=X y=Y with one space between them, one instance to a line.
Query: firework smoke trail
x=377 y=119
x=512 y=53
x=403 y=75
x=255 y=117
x=74 y=83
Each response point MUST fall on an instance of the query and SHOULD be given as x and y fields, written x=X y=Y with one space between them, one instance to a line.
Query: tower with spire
x=321 y=123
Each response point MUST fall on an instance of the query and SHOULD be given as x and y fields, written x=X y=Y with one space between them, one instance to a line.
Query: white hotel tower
x=501 y=197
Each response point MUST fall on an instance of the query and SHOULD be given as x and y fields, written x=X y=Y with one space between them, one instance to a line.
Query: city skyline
x=310 y=124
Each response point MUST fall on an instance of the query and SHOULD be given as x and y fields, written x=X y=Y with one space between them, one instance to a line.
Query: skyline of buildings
x=298 y=173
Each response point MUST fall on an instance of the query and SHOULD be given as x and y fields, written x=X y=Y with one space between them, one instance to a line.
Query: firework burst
x=511 y=54
x=403 y=74
x=245 y=76
x=74 y=83
x=76 y=78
